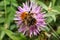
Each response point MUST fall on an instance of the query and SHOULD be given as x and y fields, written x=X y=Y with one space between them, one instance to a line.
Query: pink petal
x=20 y=9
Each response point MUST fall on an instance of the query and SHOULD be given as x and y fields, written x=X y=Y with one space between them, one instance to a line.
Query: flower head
x=30 y=19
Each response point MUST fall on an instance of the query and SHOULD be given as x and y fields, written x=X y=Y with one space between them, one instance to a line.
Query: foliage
x=8 y=28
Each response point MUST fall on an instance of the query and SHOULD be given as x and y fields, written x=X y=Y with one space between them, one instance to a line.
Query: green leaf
x=47 y=29
x=53 y=2
x=12 y=27
x=33 y=0
x=2 y=35
x=51 y=16
x=58 y=2
x=14 y=3
x=49 y=20
x=54 y=37
x=10 y=17
x=13 y=36
x=2 y=20
x=50 y=5
x=10 y=34
x=57 y=9
x=42 y=4
x=1 y=13
x=2 y=3
x=58 y=30
x=54 y=18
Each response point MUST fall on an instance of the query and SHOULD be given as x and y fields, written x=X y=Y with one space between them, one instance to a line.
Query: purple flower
x=30 y=19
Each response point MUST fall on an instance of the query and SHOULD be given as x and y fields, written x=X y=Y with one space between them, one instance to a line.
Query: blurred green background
x=8 y=28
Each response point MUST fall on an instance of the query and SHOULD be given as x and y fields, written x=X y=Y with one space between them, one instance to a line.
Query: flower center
x=28 y=19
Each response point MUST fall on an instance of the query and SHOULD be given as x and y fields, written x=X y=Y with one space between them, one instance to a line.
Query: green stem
x=5 y=24
x=54 y=31
x=2 y=33
x=5 y=7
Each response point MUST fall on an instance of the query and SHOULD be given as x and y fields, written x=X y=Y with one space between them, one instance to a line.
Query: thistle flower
x=30 y=19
